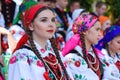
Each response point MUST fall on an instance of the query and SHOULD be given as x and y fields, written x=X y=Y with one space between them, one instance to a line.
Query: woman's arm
x=11 y=41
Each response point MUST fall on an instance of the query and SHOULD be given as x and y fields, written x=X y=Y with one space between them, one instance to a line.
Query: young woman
x=86 y=62
x=36 y=56
x=110 y=44
x=105 y=22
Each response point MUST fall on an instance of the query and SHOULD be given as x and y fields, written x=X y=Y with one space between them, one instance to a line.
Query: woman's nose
x=50 y=24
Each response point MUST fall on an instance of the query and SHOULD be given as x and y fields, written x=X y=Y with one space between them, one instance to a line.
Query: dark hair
x=107 y=47
x=50 y=1
x=0 y=1
x=100 y=3
x=52 y=43
x=117 y=21
x=72 y=2
x=84 y=52
x=83 y=11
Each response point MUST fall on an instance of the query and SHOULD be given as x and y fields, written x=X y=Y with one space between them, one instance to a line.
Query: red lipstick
x=50 y=31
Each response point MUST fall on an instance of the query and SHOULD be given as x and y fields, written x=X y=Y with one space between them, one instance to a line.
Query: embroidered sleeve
x=19 y=68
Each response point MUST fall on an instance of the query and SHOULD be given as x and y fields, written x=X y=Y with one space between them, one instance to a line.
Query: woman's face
x=114 y=45
x=62 y=3
x=43 y=26
x=93 y=35
x=106 y=24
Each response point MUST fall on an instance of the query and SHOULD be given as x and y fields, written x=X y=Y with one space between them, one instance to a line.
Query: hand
x=4 y=31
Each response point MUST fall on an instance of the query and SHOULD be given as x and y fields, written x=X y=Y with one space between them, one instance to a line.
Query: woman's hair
x=52 y=43
x=107 y=47
x=58 y=56
x=84 y=52
x=99 y=4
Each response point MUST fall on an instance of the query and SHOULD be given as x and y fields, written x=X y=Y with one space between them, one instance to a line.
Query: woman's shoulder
x=23 y=49
x=22 y=53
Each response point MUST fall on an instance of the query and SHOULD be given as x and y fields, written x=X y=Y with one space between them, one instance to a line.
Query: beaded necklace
x=51 y=63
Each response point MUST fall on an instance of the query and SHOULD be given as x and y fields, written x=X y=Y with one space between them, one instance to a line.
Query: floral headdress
x=83 y=23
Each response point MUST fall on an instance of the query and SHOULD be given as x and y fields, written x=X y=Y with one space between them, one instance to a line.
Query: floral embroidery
x=42 y=50
x=22 y=79
x=83 y=62
x=118 y=65
x=46 y=75
x=105 y=63
x=39 y=63
x=12 y=32
x=65 y=63
x=35 y=57
x=28 y=61
x=80 y=77
x=13 y=60
x=73 y=59
x=77 y=63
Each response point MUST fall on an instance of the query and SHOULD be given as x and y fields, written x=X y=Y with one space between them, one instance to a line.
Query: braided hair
x=33 y=47
x=35 y=50
x=84 y=52
x=83 y=46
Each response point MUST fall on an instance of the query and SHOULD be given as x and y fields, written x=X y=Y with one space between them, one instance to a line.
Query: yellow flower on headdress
x=80 y=22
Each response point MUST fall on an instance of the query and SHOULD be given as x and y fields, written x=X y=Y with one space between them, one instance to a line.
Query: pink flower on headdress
x=83 y=23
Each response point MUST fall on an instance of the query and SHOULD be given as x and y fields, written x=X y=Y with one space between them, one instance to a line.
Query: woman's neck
x=41 y=41
x=87 y=44
x=112 y=53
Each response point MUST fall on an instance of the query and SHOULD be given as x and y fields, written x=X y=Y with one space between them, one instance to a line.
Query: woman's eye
x=53 y=19
x=43 y=20
x=98 y=29
x=118 y=42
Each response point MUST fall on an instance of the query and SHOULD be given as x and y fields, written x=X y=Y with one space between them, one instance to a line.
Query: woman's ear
x=109 y=43
x=85 y=32
x=31 y=27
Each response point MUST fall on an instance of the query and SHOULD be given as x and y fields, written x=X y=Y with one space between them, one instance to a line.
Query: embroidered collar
x=79 y=49
x=44 y=52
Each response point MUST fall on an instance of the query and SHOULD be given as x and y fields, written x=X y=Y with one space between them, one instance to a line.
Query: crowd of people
x=40 y=40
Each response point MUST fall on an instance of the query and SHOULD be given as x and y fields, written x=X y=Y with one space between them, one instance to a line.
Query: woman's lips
x=50 y=31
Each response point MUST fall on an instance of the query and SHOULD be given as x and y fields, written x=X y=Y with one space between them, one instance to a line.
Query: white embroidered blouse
x=81 y=71
x=25 y=65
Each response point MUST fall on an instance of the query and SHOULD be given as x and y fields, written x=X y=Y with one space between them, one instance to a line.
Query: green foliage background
x=113 y=10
